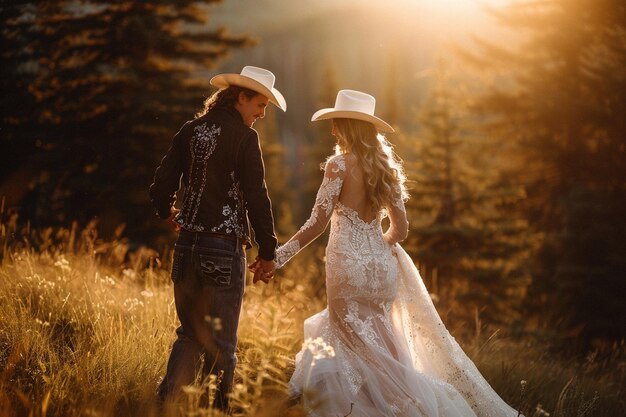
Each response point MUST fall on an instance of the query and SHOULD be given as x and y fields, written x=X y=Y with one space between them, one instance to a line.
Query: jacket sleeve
x=327 y=197
x=167 y=177
x=258 y=205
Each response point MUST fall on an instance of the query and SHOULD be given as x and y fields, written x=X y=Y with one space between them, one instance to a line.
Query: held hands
x=263 y=270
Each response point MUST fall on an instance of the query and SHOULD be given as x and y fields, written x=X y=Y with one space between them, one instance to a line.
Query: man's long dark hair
x=226 y=97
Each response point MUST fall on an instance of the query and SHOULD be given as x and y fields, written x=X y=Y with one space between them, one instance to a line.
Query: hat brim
x=332 y=113
x=273 y=95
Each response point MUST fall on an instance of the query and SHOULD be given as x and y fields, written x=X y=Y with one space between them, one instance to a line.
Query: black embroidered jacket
x=219 y=159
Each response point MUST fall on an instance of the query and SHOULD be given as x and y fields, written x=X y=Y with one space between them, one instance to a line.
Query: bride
x=379 y=348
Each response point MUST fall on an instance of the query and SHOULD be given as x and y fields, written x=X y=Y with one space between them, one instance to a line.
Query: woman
x=379 y=348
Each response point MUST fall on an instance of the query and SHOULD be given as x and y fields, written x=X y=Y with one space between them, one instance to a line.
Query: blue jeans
x=208 y=272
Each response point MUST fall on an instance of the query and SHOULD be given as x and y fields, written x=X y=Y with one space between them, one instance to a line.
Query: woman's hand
x=393 y=244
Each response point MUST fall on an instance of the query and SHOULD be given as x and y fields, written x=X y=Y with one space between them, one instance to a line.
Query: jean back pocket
x=216 y=270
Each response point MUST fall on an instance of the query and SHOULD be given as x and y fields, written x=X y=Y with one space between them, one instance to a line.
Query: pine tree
x=467 y=239
x=562 y=106
x=17 y=105
x=108 y=84
x=392 y=91
x=322 y=144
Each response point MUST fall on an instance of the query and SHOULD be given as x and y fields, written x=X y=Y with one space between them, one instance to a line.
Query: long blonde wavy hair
x=382 y=168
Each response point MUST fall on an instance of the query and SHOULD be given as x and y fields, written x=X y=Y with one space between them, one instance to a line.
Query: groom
x=218 y=156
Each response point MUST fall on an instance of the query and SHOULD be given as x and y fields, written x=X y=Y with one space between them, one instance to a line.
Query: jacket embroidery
x=234 y=216
x=203 y=145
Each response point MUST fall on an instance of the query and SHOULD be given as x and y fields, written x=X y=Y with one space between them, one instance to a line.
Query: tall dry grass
x=86 y=328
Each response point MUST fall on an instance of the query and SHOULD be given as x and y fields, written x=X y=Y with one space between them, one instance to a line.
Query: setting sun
x=446 y=20
x=428 y=5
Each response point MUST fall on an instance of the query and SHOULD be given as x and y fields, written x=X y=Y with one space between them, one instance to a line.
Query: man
x=219 y=159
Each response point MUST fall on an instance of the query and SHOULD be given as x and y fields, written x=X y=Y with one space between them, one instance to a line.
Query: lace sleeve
x=327 y=196
x=399 y=225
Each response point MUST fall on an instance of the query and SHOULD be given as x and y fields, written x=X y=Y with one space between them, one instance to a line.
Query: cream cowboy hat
x=351 y=104
x=256 y=79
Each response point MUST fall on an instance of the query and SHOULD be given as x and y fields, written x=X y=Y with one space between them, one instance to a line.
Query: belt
x=238 y=241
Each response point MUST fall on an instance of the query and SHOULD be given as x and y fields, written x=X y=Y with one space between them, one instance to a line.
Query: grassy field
x=86 y=327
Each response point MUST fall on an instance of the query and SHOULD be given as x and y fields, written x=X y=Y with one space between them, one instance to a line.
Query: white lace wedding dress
x=392 y=354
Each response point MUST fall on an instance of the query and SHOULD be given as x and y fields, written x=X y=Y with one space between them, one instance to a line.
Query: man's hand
x=254 y=265
x=263 y=270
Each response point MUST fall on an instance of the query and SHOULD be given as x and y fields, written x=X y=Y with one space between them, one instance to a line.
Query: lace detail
x=364 y=328
x=356 y=220
x=385 y=316
x=398 y=200
x=326 y=195
x=285 y=252
x=203 y=143
x=340 y=163
x=360 y=258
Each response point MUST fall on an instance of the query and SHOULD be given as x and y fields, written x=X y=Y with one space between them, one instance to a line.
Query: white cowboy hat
x=256 y=79
x=351 y=104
